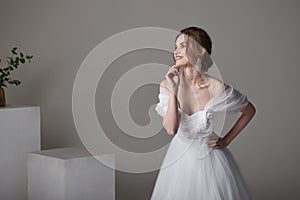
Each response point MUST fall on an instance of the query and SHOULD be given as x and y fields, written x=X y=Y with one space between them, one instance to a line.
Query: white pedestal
x=19 y=135
x=70 y=174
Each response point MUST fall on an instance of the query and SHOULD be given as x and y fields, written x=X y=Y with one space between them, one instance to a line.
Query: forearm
x=171 y=119
x=238 y=127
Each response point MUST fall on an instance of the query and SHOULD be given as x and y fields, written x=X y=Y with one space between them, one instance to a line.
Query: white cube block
x=19 y=135
x=70 y=174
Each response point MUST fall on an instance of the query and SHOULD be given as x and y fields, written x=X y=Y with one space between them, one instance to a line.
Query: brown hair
x=197 y=38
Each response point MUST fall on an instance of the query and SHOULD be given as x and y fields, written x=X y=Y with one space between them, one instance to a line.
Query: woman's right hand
x=173 y=79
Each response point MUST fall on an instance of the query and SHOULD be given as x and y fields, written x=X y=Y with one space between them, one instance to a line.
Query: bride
x=198 y=165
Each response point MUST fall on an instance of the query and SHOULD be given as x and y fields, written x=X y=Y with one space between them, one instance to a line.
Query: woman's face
x=180 y=51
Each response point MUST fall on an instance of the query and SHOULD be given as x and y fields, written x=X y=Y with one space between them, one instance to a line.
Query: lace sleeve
x=162 y=106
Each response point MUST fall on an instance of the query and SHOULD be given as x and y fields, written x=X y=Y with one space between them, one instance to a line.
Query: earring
x=200 y=85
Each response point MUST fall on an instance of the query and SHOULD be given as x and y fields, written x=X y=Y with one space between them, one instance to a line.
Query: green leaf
x=10 y=60
x=22 y=60
x=14 y=50
x=5 y=72
x=22 y=55
x=16 y=82
x=29 y=57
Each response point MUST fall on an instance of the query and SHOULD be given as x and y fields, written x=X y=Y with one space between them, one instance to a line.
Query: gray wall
x=255 y=45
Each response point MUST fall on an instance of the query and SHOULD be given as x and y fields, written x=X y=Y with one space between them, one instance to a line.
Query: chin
x=181 y=63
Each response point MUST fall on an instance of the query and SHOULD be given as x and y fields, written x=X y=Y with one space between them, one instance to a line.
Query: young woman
x=198 y=165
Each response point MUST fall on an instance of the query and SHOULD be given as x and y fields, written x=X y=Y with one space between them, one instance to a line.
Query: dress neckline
x=205 y=107
x=191 y=114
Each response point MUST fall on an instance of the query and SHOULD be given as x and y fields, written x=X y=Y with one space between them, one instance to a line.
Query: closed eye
x=182 y=44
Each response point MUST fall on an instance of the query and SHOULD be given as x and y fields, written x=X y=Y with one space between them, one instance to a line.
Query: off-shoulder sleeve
x=230 y=101
x=162 y=106
x=236 y=101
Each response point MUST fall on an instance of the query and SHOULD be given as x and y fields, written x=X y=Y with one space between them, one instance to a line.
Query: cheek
x=183 y=52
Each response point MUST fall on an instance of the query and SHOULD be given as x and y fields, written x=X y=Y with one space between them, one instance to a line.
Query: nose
x=176 y=52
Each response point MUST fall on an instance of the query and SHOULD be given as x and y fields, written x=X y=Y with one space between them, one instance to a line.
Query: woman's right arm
x=172 y=117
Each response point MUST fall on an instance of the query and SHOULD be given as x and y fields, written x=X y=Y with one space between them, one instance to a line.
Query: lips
x=178 y=57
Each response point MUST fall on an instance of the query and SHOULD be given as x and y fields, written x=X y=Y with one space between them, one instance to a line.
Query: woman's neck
x=193 y=76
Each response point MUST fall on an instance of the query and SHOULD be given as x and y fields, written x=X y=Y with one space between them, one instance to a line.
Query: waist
x=193 y=136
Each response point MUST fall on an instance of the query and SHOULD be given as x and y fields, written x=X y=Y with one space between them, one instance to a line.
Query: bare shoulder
x=163 y=85
x=216 y=85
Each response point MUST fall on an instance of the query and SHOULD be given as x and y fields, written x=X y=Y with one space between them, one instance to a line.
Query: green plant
x=13 y=62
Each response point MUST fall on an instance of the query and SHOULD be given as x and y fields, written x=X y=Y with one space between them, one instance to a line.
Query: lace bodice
x=198 y=126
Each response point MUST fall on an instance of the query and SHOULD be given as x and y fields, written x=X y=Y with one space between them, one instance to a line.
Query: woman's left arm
x=248 y=113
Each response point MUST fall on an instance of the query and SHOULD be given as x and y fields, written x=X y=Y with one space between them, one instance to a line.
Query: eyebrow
x=180 y=43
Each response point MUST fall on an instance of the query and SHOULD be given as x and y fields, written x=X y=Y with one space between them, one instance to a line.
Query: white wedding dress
x=193 y=171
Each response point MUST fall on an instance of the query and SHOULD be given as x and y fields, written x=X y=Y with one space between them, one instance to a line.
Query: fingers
x=219 y=144
x=173 y=70
x=213 y=145
x=210 y=142
x=175 y=67
x=214 y=142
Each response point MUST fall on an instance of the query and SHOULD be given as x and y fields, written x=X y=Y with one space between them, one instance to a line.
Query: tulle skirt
x=184 y=176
